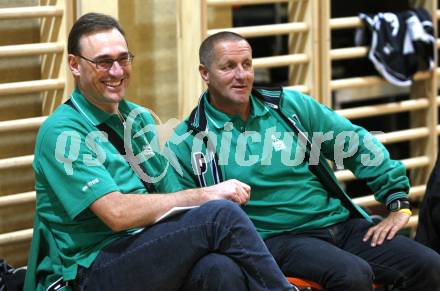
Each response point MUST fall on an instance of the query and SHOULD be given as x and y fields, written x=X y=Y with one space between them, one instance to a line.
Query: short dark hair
x=88 y=23
x=207 y=47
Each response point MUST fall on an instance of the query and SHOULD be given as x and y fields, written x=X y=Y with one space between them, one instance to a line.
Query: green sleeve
x=72 y=169
x=350 y=147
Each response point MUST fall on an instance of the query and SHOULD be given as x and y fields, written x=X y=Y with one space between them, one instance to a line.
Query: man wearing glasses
x=95 y=218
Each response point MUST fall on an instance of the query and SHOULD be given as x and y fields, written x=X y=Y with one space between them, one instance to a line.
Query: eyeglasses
x=105 y=64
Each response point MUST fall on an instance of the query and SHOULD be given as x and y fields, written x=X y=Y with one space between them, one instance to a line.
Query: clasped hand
x=233 y=190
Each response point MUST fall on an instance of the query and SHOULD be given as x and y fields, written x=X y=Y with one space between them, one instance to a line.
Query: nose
x=116 y=69
x=240 y=72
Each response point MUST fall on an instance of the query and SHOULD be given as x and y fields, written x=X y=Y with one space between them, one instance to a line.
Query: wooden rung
x=347 y=53
x=22 y=124
x=16 y=199
x=413 y=221
x=416 y=192
x=369 y=200
x=356 y=82
x=360 y=52
x=30 y=49
x=300 y=88
x=422 y=75
x=30 y=12
x=242 y=2
x=16 y=162
x=16 y=236
x=265 y=30
x=366 y=81
x=437 y=43
x=383 y=109
x=346 y=22
x=403 y=135
x=31 y=86
x=280 y=61
x=411 y=163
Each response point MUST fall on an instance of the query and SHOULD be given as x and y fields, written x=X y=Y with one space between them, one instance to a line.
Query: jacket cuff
x=397 y=196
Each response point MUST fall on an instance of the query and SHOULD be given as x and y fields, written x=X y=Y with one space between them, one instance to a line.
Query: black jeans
x=212 y=247
x=338 y=259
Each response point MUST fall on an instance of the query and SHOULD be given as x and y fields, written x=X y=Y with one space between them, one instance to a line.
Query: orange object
x=302 y=283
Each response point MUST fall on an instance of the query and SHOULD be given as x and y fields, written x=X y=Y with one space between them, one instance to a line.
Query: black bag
x=11 y=279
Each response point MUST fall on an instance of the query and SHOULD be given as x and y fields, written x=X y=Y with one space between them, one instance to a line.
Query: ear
x=73 y=64
x=204 y=73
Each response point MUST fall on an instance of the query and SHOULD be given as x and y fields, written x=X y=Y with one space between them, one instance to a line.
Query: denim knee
x=356 y=277
x=217 y=267
x=215 y=272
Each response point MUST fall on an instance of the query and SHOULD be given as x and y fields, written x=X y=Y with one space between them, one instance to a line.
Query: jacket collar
x=198 y=120
x=218 y=118
x=92 y=113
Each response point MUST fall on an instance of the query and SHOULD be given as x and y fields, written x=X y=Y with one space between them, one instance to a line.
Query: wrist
x=206 y=193
x=398 y=204
x=406 y=211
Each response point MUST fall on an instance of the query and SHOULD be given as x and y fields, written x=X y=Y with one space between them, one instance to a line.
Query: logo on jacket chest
x=277 y=144
x=148 y=151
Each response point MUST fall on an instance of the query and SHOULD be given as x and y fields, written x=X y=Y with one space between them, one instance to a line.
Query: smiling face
x=104 y=88
x=230 y=76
